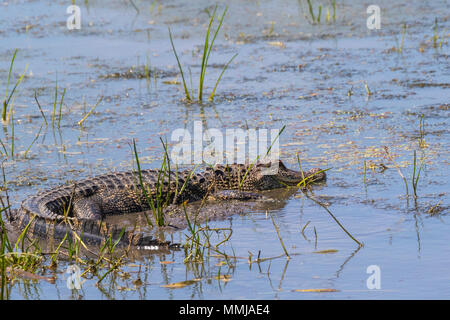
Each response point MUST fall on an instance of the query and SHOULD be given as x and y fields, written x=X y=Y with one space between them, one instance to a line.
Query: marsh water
x=342 y=91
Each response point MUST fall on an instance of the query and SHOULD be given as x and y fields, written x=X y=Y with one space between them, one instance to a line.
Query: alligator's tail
x=90 y=232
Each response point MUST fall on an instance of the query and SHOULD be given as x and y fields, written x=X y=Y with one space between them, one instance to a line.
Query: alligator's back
x=52 y=213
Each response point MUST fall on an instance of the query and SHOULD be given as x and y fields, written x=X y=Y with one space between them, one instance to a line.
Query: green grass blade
x=150 y=201
x=6 y=102
x=40 y=109
x=186 y=91
x=206 y=51
x=54 y=102
x=311 y=12
x=60 y=107
x=220 y=77
x=37 y=136
x=89 y=113
x=257 y=158
x=7 y=85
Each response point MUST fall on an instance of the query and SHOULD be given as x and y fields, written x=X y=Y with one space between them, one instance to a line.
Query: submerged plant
x=207 y=48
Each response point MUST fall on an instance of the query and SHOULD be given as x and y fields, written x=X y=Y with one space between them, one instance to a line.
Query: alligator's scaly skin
x=88 y=201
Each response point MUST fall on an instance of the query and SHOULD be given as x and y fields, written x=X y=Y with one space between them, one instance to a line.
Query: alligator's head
x=267 y=178
x=262 y=176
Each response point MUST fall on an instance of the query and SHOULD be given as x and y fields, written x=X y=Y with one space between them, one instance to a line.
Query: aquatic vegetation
x=316 y=19
x=199 y=238
x=366 y=86
x=386 y=150
x=422 y=143
x=415 y=177
x=350 y=92
x=40 y=108
x=417 y=168
x=34 y=140
x=54 y=106
x=26 y=258
x=157 y=208
x=207 y=48
x=313 y=198
x=311 y=11
x=399 y=47
x=326 y=127
x=333 y=4
x=415 y=174
x=152 y=7
x=159 y=202
x=7 y=98
x=279 y=236
x=436 y=35
x=90 y=111
x=365 y=171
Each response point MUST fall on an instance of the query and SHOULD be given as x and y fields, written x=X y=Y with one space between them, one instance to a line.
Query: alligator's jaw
x=291 y=177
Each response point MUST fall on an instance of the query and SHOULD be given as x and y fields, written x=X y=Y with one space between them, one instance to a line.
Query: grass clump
x=199 y=238
x=158 y=198
x=399 y=47
x=436 y=35
x=55 y=102
x=207 y=48
x=16 y=258
x=329 y=16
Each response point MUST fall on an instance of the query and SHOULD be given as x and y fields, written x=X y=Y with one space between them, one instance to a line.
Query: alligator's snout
x=292 y=177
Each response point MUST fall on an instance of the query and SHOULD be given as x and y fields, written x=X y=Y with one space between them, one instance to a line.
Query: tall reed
x=207 y=48
x=7 y=98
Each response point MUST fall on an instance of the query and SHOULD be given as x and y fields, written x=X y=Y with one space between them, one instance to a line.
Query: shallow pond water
x=314 y=79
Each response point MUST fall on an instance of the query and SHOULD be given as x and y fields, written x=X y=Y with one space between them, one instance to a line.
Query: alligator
x=77 y=210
